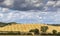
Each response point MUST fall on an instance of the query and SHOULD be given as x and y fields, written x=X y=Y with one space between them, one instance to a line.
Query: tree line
x=2 y=24
x=44 y=29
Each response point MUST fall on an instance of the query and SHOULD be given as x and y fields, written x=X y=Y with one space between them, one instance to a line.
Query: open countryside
x=29 y=29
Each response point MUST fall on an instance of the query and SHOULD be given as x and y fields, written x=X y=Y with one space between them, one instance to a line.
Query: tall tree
x=44 y=28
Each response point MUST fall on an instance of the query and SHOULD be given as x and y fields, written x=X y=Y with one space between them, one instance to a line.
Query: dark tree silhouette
x=36 y=31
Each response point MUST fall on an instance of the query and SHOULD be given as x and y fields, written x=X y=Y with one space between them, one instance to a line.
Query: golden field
x=27 y=27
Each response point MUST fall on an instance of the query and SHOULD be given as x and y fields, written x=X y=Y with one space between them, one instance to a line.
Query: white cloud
x=33 y=14
x=24 y=17
x=8 y=3
x=4 y=9
x=39 y=17
x=1 y=15
x=57 y=4
x=50 y=3
x=10 y=15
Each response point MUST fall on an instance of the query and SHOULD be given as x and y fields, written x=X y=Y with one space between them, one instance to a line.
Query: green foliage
x=2 y=24
x=29 y=33
x=43 y=33
x=44 y=28
x=36 y=31
x=49 y=34
x=54 y=32
x=10 y=33
x=58 y=33
x=31 y=30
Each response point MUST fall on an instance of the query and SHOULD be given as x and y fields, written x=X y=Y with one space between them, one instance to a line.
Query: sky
x=30 y=11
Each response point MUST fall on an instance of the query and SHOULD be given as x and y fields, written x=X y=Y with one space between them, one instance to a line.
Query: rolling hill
x=27 y=27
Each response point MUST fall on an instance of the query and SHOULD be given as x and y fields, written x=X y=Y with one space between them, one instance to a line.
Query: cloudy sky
x=30 y=11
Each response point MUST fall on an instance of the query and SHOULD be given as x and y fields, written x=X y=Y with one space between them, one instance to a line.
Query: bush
x=13 y=33
x=49 y=33
x=29 y=33
x=36 y=31
x=54 y=32
x=58 y=33
x=10 y=33
x=43 y=33
x=23 y=33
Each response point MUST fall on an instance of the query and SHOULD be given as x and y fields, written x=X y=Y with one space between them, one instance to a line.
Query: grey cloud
x=23 y=4
x=29 y=4
x=1 y=0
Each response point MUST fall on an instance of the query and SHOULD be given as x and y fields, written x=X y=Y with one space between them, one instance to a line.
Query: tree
x=54 y=32
x=36 y=31
x=44 y=28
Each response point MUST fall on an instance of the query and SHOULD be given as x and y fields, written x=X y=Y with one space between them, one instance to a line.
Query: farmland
x=27 y=27
x=23 y=29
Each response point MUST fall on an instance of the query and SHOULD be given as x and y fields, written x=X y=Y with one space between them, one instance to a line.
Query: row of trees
x=44 y=29
x=5 y=24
